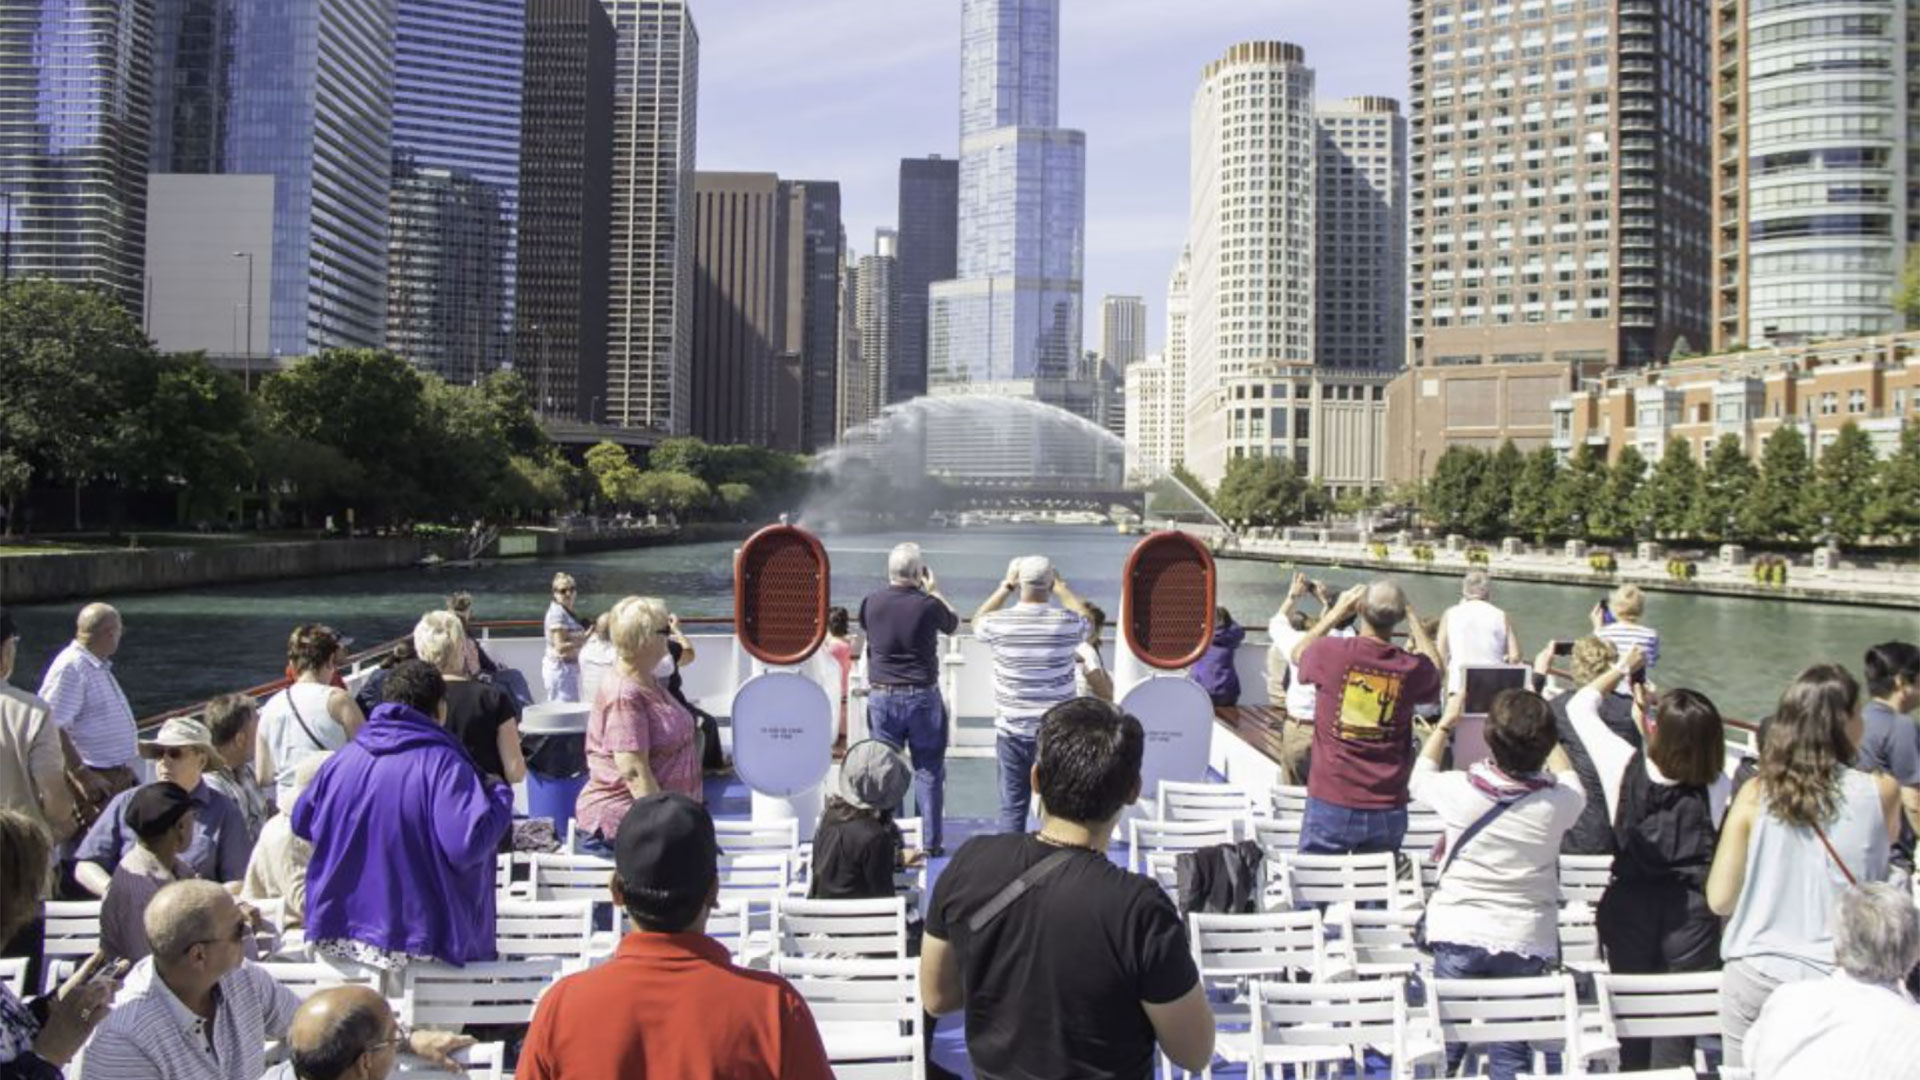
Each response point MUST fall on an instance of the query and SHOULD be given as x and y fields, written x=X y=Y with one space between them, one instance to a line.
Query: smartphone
x=1563 y=648
x=1606 y=612
x=1639 y=677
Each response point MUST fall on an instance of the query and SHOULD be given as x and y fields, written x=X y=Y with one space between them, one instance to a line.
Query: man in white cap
x=219 y=848
x=1033 y=645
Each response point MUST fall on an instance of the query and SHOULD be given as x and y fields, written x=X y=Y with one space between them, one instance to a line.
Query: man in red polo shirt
x=670 y=1003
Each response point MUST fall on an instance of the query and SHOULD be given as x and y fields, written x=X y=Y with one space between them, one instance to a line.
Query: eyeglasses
x=569 y=590
x=400 y=1037
x=240 y=931
x=175 y=753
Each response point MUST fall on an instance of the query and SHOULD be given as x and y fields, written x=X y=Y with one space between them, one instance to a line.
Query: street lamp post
x=248 y=255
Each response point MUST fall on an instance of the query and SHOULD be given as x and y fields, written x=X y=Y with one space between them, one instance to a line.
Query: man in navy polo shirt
x=903 y=623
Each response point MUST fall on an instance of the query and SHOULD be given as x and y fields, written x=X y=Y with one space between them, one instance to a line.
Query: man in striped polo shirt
x=1033 y=646
x=1624 y=631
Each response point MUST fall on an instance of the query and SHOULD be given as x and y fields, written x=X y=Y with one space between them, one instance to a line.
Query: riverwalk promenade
x=1824 y=577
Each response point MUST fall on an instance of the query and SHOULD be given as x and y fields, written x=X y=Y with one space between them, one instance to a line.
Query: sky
x=843 y=89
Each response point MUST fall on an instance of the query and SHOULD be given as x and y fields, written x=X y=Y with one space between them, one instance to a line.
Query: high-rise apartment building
x=929 y=224
x=1014 y=312
x=1151 y=418
x=1561 y=214
x=1360 y=242
x=566 y=207
x=75 y=107
x=1817 y=159
x=302 y=92
x=1123 y=331
x=765 y=308
x=850 y=370
x=804 y=405
x=1179 y=309
x=458 y=78
x=875 y=296
x=650 y=284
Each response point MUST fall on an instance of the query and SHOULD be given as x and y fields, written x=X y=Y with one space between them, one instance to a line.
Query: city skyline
x=1126 y=79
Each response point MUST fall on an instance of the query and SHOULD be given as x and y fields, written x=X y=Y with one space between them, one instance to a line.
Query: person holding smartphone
x=1617 y=620
x=903 y=623
x=39 y=1037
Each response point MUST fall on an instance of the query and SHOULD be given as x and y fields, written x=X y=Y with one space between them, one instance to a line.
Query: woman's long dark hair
x=1807 y=751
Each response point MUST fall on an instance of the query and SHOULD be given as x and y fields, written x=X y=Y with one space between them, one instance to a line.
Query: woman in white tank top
x=1474 y=632
x=311 y=716
x=1805 y=828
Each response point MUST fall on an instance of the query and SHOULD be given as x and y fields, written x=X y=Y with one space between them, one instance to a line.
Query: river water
x=185 y=646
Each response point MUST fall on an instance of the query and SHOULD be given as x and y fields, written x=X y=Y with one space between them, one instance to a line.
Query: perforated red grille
x=1169 y=600
x=780 y=589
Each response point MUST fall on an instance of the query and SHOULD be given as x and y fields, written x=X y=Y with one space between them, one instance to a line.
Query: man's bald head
x=335 y=1028
x=188 y=913
x=98 y=629
x=1383 y=607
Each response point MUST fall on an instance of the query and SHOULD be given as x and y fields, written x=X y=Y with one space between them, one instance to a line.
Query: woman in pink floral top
x=639 y=740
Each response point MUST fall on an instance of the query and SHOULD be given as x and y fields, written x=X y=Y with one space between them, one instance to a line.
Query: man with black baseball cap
x=671 y=1002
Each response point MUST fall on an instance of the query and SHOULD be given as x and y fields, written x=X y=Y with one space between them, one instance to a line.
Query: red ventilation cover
x=780 y=590
x=1168 y=601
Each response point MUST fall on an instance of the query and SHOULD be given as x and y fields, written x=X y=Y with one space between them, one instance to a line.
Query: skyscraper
x=738 y=309
x=1123 y=331
x=566 y=206
x=929 y=221
x=75 y=107
x=850 y=371
x=301 y=91
x=656 y=82
x=456 y=181
x=1818 y=167
x=1360 y=245
x=1014 y=312
x=874 y=298
x=1559 y=173
x=803 y=418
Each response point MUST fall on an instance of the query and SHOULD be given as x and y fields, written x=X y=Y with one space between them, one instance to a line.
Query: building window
x=1829 y=404
x=1856 y=401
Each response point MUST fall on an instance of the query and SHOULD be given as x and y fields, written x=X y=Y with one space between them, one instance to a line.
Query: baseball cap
x=665 y=848
x=1036 y=570
x=179 y=731
x=873 y=776
x=156 y=808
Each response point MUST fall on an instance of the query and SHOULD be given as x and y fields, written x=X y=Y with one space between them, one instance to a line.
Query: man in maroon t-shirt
x=1365 y=690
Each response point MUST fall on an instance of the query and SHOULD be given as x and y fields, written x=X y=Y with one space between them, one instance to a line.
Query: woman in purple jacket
x=404 y=830
x=1214 y=671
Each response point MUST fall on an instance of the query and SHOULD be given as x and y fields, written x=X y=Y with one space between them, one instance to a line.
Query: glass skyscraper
x=456 y=183
x=300 y=90
x=75 y=81
x=1014 y=313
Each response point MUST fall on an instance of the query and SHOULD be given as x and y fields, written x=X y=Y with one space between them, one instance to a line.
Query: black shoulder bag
x=1016 y=889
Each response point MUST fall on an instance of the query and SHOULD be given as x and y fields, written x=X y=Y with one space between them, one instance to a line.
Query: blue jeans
x=1327 y=829
x=1505 y=1061
x=1015 y=754
x=915 y=719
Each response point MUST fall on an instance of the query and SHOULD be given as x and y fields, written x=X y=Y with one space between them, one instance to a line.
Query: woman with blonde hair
x=566 y=632
x=482 y=716
x=639 y=739
x=311 y=716
x=1807 y=826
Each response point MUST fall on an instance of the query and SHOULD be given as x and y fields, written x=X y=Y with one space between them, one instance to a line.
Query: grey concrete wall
x=27 y=579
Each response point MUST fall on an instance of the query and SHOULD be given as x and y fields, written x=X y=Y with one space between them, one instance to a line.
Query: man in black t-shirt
x=904 y=622
x=1081 y=975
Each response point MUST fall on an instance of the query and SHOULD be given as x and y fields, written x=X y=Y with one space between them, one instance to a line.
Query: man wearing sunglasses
x=346 y=1033
x=220 y=845
x=197 y=1009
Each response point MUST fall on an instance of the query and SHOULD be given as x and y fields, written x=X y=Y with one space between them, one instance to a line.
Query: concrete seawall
x=29 y=579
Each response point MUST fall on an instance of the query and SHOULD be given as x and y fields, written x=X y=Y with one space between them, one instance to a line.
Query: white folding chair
x=744 y=835
x=305 y=978
x=1279 y=837
x=911 y=882
x=482 y=1061
x=1679 y=1005
x=759 y=880
x=1579 y=939
x=1232 y=950
x=869 y=928
x=559 y=928
x=1542 y=1011
x=72 y=935
x=1180 y=800
x=1348 y=880
x=1146 y=836
x=1289 y=801
x=1377 y=942
x=496 y=992
x=13 y=973
x=1322 y=1025
x=867 y=1010
x=562 y=876
x=727 y=924
x=512 y=876
x=1424 y=830
x=1584 y=878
